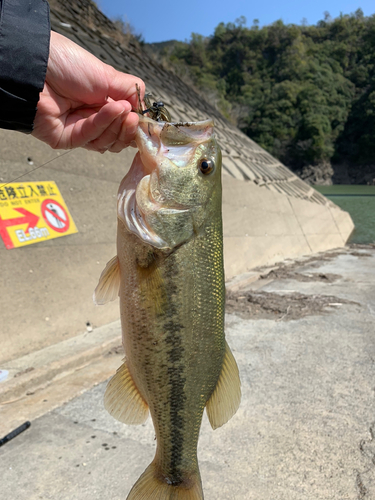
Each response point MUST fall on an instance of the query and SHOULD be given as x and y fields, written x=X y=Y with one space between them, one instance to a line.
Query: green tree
x=304 y=93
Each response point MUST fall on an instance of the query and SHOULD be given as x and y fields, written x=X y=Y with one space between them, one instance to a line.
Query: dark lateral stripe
x=176 y=352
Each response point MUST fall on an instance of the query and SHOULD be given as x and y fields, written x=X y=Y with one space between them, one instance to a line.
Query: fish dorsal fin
x=109 y=283
x=122 y=399
x=226 y=398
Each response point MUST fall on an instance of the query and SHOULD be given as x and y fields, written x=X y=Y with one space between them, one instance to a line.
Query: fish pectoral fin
x=123 y=400
x=109 y=283
x=226 y=398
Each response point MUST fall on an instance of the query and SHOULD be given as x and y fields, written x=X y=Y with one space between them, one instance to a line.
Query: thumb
x=124 y=87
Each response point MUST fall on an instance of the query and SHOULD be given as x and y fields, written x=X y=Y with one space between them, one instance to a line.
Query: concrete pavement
x=305 y=428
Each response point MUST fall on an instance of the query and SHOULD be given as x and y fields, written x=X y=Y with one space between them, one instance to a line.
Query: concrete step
x=45 y=379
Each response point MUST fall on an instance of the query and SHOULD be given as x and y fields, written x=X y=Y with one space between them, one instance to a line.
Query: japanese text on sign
x=32 y=212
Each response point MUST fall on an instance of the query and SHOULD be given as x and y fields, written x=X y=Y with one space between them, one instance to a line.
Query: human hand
x=85 y=102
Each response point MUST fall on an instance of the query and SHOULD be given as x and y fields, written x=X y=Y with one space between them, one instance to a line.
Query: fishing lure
x=156 y=111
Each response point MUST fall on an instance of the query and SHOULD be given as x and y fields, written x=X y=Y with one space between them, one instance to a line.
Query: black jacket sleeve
x=24 y=49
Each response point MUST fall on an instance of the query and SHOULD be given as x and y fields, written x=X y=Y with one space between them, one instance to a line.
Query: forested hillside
x=304 y=93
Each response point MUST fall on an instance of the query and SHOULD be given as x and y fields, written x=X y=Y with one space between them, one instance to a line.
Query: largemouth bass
x=169 y=275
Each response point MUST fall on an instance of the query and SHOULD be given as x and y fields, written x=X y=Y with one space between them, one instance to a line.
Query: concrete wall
x=46 y=288
x=264 y=227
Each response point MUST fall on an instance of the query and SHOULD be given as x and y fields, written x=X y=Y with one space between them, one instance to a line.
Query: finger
x=79 y=131
x=118 y=136
x=108 y=137
x=128 y=127
x=118 y=146
x=127 y=134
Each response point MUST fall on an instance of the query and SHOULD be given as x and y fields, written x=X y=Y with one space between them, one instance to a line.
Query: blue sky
x=164 y=20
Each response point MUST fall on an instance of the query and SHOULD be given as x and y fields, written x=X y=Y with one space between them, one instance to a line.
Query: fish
x=169 y=275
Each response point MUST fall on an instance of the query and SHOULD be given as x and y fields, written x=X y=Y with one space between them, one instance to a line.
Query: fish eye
x=206 y=166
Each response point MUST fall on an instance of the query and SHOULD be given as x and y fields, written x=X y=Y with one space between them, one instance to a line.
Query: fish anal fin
x=109 y=283
x=226 y=398
x=149 y=486
x=123 y=400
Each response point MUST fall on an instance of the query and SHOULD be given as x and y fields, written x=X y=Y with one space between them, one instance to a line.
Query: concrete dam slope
x=269 y=213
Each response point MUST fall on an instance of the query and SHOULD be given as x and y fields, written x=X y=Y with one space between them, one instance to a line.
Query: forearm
x=24 y=49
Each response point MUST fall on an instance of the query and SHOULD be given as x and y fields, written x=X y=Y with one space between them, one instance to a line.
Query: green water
x=359 y=201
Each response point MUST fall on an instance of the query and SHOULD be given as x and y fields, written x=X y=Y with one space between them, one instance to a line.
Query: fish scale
x=172 y=296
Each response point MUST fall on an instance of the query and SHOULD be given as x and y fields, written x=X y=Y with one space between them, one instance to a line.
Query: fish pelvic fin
x=226 y=398
x=123 y=400
x=109 y=283
x=152 y=485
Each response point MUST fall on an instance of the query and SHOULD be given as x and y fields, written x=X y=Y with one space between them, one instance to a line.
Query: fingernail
x=127 y=107
x=132 y=130
x=124 y=111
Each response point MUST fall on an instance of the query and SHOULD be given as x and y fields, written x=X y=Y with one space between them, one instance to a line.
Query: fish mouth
x=175 y=141
x=139 y=197
x=175 y=132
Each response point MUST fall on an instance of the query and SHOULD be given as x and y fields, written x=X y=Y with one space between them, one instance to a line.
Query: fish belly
x=172 y=313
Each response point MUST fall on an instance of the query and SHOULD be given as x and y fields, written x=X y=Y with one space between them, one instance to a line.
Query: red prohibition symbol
x=55 y=215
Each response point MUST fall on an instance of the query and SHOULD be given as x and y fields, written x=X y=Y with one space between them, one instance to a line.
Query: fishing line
x=158 y=106
x=36 y=168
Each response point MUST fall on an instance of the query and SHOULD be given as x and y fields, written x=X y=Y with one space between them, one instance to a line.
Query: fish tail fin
x=152 y=485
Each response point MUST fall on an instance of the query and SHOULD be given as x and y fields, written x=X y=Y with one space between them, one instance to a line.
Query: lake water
x=359 y=201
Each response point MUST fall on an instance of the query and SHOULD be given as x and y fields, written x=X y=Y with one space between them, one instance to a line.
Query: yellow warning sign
x=31 y=212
